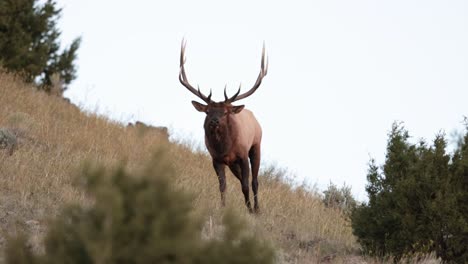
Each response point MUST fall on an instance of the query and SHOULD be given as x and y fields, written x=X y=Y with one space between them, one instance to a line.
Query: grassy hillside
x=55 y=138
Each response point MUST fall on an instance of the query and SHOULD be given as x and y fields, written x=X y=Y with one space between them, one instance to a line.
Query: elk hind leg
x=245 y=182
x=236 y=170
x=254 y=155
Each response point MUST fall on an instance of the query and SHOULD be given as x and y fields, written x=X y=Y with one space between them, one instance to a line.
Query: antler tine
x=263 y=73
x=232 y=99
x=263 y=56
x=183 y=77
x=200 y=94
x=225 y=95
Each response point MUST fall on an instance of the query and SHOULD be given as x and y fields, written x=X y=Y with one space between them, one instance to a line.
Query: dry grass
x=55 y=138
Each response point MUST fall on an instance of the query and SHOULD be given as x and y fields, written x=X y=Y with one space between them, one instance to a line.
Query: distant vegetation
x=418 y=200
x=339 y=198
x=29 y=43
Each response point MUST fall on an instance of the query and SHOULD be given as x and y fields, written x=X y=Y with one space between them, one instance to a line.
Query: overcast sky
x=341 y=72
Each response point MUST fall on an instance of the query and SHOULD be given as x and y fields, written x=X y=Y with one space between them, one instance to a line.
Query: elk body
x=232 y=134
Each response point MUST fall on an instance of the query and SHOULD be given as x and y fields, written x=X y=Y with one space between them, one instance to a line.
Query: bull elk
x=232 y=134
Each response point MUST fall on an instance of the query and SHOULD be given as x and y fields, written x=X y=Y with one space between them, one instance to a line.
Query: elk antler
x=263 y=73
x=183 y=77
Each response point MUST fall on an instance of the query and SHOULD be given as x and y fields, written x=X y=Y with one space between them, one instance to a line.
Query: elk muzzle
x=214 y=122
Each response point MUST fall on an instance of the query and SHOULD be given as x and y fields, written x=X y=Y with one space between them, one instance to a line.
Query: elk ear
x=200 y=107
x=237 y=109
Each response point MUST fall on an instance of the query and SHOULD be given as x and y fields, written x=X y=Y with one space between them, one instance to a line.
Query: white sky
x=341 y=72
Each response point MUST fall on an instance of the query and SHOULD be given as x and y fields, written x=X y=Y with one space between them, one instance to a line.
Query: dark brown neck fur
x=220 y=139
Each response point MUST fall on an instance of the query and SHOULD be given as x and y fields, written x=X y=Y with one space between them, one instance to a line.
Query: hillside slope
x=54 y=138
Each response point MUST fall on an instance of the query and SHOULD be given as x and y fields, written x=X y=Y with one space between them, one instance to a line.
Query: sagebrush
x=138 y=218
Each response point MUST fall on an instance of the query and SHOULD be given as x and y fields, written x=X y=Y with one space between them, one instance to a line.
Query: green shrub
x=417 y=200
x=29 y=42
x=138 y=218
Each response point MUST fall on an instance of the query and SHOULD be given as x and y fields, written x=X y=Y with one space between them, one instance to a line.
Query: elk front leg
x=245 y=182
x=220 y=171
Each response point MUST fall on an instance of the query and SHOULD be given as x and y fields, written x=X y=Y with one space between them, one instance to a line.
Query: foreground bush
x=417 y=201
x=138 y=218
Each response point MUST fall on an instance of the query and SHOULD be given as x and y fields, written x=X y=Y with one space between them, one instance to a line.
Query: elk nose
x=214 y=122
